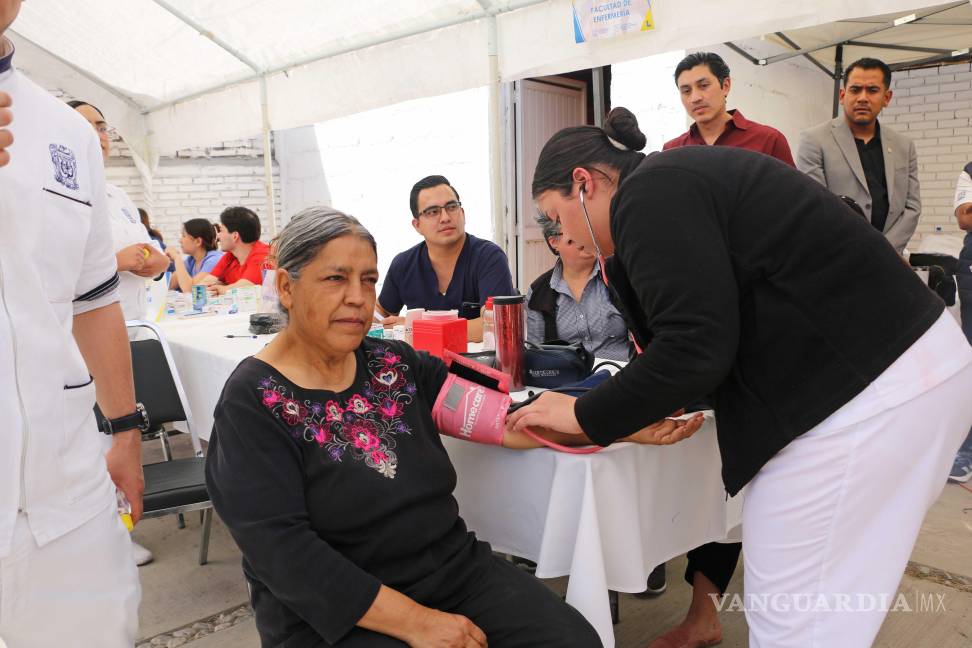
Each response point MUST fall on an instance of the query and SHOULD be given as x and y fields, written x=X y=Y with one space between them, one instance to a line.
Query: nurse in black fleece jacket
x=831 y=367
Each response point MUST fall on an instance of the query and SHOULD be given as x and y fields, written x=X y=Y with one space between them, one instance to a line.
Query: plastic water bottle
x=377 y=331
x=489 y=327
x=268 y=293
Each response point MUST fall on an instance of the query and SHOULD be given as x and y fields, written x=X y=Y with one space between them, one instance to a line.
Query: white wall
x=302 y=179
x=933 y=107
x=790 y=96
x=372 y=159
x=646 y=88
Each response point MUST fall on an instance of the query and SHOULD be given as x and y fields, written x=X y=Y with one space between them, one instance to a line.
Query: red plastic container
x=435 y=336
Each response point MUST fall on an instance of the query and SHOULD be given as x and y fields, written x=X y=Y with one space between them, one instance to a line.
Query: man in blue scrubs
x=450 y=266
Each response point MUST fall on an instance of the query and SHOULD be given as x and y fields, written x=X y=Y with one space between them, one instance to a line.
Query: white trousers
x=830 y=522
x=80 y=590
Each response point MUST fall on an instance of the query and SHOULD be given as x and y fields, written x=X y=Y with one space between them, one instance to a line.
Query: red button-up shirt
x=229 y=271
x=741 y=133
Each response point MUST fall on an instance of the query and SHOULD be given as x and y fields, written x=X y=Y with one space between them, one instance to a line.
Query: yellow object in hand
x=146 y=253
x=124 y=510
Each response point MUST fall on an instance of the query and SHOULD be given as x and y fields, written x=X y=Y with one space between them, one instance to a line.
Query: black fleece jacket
x=752 y=286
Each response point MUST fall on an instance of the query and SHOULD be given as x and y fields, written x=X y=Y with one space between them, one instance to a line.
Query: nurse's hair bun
x=621 y=127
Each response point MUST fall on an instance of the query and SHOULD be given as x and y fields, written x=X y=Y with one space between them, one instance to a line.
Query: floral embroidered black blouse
x=331 y=494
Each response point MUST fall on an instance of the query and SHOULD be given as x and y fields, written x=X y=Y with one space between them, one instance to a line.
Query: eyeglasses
x=434 y=211
x=105 y=129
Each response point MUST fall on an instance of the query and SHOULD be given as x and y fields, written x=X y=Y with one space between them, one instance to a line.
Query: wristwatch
x=137 y=419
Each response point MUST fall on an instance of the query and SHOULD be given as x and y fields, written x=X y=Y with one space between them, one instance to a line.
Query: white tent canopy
x=179 y=73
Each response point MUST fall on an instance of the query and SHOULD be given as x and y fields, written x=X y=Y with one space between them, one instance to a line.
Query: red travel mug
x=510 y=334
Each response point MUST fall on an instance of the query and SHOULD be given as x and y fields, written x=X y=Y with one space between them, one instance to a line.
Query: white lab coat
x=127 y=229
x=56 y=260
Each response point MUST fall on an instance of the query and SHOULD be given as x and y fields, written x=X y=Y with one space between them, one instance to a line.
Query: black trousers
x=717 y=562
x=511 y=607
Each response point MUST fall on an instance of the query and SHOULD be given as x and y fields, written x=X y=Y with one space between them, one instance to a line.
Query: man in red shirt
x=238 y=234
x=703 y=83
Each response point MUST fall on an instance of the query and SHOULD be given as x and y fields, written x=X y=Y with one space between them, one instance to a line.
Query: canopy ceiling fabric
x=946 y=28
x=166 y=86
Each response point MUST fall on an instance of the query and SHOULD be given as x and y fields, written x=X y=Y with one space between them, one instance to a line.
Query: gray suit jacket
x=829 y=155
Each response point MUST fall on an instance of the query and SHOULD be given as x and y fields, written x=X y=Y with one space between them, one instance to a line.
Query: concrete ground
x=177 y=592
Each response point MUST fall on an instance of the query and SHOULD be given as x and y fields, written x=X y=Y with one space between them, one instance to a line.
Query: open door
x=543 y=107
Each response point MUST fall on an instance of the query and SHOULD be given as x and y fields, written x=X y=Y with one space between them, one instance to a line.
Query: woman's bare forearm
x=391 y=613
x=521 y=441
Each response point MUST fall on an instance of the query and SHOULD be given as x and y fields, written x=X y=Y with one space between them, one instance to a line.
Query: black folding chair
x=173 y=486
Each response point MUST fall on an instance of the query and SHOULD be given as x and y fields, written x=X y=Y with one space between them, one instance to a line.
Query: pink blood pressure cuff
x=470 y=411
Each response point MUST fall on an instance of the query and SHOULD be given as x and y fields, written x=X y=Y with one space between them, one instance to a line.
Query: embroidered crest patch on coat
x=65 y=166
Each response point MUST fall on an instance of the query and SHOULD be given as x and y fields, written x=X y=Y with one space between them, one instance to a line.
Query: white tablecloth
x=605 y=519
x=205 y=358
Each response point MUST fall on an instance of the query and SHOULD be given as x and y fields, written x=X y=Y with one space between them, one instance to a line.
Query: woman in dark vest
x=829 y=364
x=569 y=302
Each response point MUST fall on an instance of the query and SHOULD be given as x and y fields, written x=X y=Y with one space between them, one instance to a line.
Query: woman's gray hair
x=550 y=227
x=309 y=231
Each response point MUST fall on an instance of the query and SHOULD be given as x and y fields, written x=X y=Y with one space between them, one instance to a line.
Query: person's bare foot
x=701 y=627
x=688 y=635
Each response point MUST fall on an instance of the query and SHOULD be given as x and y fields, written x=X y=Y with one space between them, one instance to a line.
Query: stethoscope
x=590 y=228
x=533 y=397
x=597 y=249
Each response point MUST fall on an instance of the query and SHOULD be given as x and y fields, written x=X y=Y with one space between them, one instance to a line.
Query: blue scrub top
x=482 y=270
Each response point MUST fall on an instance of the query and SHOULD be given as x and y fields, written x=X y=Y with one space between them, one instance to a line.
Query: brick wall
x=933 y=107
x=198 y=183
x=198 y=188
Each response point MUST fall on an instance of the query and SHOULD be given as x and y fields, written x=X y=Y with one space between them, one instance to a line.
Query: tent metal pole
x=495 y=129
x=206 y=33
x=838 y=73
x=904 y=48
x=496 y=140
x=786 y=39
x=951 y=57
x=267 y=155
x=743 y=53
x=789 y=41
x=599 y=104
x=261 y=76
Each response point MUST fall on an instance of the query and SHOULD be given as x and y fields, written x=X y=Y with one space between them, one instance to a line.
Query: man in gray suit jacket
x=854 y=156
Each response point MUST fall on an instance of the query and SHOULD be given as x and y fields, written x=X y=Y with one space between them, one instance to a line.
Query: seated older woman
x=327 y=468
